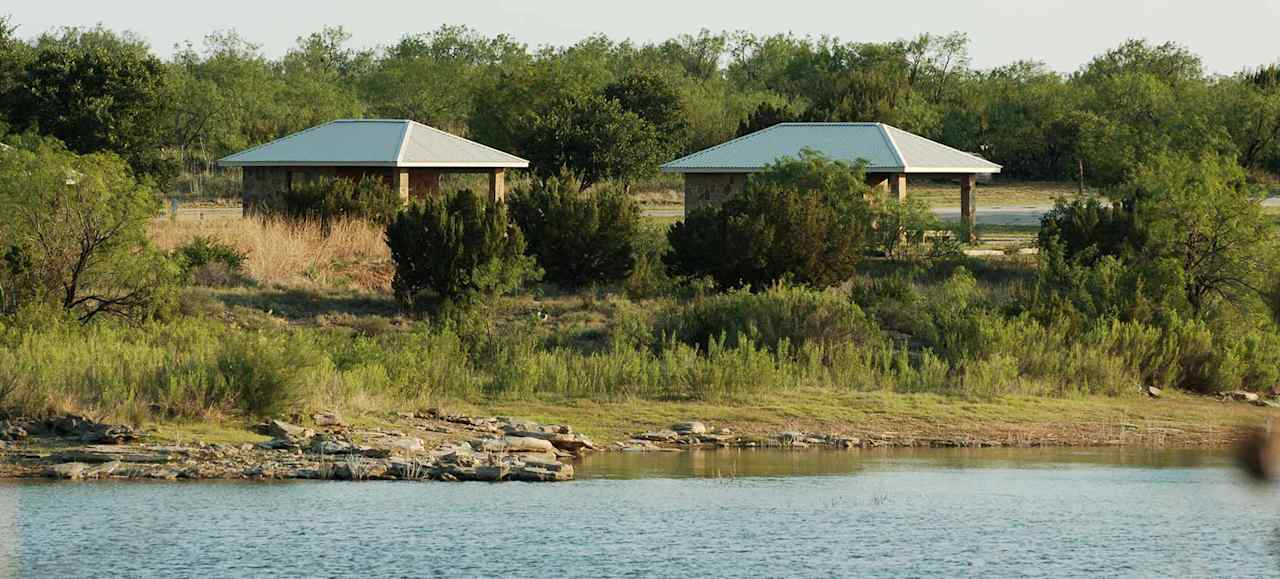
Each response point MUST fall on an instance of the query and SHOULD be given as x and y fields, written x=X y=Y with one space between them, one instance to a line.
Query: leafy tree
x=96 y=91
x=1170 y=62
x=764 y=116
x=594 y=139
x=432 y=77
x=1199 y=218
x=1249 y=106
x=14 y=54
x=503 y=106
x=807 y=219
x=699 y=55
x=456 y=250
x=75 y=233
x=654 y=99
x=578 y=238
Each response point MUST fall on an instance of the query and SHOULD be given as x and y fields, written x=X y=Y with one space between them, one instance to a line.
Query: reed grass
x=279 y=252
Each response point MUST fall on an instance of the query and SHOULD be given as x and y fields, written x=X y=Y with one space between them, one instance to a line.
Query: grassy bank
x=905 y=350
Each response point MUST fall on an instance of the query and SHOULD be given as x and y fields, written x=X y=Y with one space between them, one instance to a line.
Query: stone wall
x=711 y=189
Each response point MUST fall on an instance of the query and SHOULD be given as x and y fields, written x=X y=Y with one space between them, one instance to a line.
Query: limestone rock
x=68 y=470
x=405 y=445
x=689 y=428
x=327 y=419
x=1240 y=396
x=513 y=444
x=108 y=453
x=11 y=432
x=658 y=436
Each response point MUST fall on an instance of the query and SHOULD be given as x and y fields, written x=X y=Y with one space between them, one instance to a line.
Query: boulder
x=327 y=419
x=1153 y=392
x=792 y=437
x=405 y=445
x=284 y=430
x=563 y=441
x=103 y=470
x=67 y=470
x=1240 y=396
x=689 y=428
x=324 y=445
x=87 y=430
x=11 y=432
x=658 y=435
x=513 y=444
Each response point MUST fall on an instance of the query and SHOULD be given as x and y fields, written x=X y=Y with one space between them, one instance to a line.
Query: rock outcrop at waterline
x=475 y=449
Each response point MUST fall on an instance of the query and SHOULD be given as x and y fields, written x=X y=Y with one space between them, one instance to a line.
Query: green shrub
x=901 y=228
x=79 y=243
x=779 y=318
x=327 y=200
x=456 y=250
x=1086 y=230
x=209 y=261
x=649 y=277
x=578 y=238
x=805 y=219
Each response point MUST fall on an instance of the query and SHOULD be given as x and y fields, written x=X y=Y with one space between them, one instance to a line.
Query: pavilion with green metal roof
x=410 y=156
x=889 y=155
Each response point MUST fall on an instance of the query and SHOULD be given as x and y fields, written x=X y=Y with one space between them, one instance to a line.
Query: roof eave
x=388 y=164
x=908 y=170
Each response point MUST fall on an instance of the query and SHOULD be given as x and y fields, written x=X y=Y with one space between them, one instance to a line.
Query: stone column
x=898 y=186
x=497 y=185
x=401 y=178
x=968 y=216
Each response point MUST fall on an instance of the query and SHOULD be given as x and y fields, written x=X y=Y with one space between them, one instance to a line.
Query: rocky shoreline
x=432 y=445
x=476 y=449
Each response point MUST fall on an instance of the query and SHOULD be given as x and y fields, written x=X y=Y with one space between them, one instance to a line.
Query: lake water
x=982 y=513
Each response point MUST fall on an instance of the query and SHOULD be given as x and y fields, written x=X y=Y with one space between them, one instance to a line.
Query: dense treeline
x=610 y=109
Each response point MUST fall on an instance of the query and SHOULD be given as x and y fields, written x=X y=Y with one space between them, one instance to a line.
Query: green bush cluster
x=327 y=200
x=209 y=261
x=579 y=238
x=456 y=250
x=805 y=219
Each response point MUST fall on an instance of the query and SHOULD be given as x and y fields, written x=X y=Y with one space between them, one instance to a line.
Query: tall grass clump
x=779 y=316
x=283 y=252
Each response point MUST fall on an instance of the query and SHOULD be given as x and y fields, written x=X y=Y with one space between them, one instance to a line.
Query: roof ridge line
x=404 y=140
x=946 y=146
x=726 y=143
x=893 y=144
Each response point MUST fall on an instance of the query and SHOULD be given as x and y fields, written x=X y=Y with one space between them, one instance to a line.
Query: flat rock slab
x=104 y=453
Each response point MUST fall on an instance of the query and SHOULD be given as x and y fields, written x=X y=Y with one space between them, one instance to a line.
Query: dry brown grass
x=291 y=254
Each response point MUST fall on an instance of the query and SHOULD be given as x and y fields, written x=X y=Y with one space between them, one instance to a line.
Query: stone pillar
x=898 y=186
x=968 y=216
x=497 y=186
x=400 y=176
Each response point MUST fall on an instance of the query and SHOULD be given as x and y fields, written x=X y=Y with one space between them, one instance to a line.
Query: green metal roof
x=374 y=142
x=884 y=149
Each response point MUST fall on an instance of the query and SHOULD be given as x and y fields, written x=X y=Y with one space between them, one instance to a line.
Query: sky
x=1227 y=34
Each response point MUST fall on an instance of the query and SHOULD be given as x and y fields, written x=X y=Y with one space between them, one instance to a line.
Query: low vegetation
x=822 y=290
x=456 y=250
x=578 y=238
